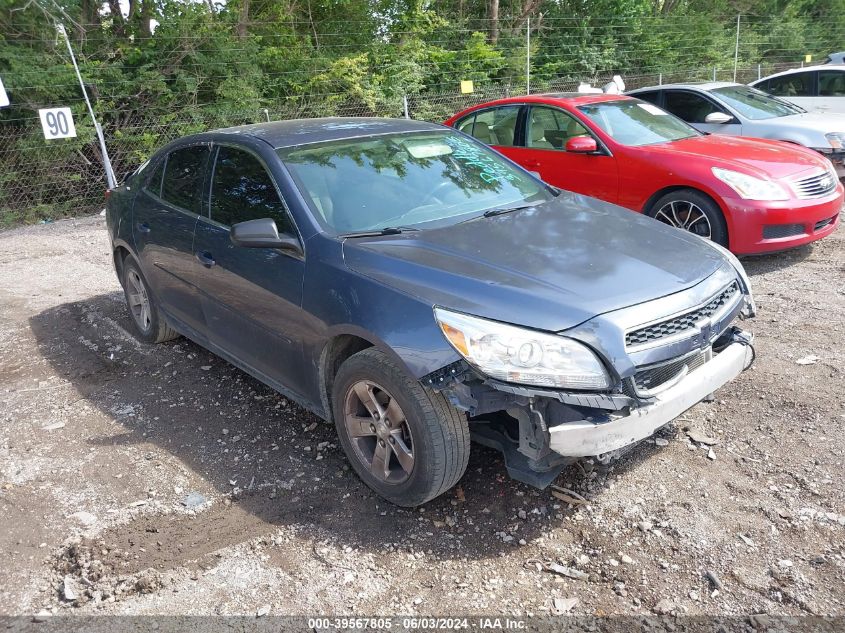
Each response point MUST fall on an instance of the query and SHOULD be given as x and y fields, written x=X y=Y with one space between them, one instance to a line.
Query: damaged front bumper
x=585 y=438
x=543 y=430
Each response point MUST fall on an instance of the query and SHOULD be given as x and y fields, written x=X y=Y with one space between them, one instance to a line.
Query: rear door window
x=496 y=126
x=652 y=96
x=184 y=175
x=794 y=85
x=241 y=190
x=690 y=107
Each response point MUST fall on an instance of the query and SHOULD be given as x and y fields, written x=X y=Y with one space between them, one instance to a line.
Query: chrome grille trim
x=814 y=186
x=685 y=322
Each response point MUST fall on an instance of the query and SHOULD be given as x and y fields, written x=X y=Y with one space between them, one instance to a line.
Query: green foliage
x=209 y=64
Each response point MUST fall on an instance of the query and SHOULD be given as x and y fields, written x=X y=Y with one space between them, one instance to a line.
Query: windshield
x=634 y=122
x=417 y=180
x=754 y=104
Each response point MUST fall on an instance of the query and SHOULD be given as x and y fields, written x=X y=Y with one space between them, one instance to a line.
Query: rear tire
x=692 y=211
x=148 y=322
x=405 y=442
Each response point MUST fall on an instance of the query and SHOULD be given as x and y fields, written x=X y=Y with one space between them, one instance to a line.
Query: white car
x=737 y=110
x=814 y=88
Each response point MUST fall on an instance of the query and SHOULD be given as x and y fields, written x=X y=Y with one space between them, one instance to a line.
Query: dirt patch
x=105 y=441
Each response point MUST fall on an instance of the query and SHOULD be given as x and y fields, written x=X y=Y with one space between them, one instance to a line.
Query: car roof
x=304 y=131
x=792 y=71
x=572 y=98
x=699 y=85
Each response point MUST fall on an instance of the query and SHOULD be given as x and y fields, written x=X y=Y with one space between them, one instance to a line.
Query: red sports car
x=750 y=195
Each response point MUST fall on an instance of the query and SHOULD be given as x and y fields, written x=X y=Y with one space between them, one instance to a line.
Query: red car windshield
x=633 y=122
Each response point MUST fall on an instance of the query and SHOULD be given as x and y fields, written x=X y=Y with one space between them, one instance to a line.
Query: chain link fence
x=42 y=180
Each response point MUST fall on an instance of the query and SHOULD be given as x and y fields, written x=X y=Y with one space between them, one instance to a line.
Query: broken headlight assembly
x=519 y=355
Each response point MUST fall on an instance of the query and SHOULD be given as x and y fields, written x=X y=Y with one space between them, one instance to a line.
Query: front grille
x=681 y=323
x=823 y=223
x=653 y=377
x=775 y=231
x=814 y=186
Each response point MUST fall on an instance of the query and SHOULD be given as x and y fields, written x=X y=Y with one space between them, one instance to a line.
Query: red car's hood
x=774 y=159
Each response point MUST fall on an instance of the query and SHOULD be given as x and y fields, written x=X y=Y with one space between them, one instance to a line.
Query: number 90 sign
x=57 y=123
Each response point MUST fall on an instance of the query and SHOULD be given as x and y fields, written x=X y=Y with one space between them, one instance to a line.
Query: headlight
x=749 y=187
x=836 y=139
x=751 y=309
x=518 y=355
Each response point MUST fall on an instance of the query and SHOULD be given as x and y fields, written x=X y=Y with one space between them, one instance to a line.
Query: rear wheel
x=406 y=443
x=149 y=324
x=691 y=211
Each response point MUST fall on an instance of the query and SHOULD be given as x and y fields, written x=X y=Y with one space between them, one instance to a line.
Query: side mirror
x=263 y=234
x=582 y=145
x=719 y=118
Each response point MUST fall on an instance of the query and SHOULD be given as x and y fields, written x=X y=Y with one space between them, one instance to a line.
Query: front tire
x=692 y=211
x=148 y=323
x=406 y=443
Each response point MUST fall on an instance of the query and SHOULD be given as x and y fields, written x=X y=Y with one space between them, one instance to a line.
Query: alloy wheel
x=686 y=215
x=139 y=302
x=379 y=432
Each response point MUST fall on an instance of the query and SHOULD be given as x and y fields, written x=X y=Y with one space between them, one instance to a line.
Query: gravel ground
x=162 y=480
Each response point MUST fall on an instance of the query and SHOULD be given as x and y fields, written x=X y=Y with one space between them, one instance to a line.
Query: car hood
x=548 y=267
x=760 y=157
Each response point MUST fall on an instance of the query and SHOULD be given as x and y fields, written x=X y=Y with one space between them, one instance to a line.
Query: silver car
x=737 y=110
x=815 y=88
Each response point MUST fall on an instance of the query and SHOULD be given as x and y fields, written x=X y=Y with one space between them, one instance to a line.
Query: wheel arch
x=335 y=352
x=649 y=204
x=120 y=252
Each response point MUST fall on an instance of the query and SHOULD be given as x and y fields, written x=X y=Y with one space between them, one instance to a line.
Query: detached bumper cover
x=585 y=438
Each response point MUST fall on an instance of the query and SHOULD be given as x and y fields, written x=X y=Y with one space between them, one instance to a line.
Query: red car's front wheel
x=691 y=211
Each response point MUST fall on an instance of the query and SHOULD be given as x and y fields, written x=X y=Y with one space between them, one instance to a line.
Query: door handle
x=205 y=258
x=532 y=163
x=143 y=227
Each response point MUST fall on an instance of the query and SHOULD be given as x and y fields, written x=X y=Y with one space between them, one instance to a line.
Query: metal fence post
x=528 y=55
x=110 y=179
x=714 y=73
x=736 y=48
x=759 y=73
x=660 y=79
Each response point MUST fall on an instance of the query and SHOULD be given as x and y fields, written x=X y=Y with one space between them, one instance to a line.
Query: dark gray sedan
x=418 y=289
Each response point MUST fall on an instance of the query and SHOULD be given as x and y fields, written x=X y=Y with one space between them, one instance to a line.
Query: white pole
x=405 y=106
x=736 y=48
x=528 y=56
x=112 y=181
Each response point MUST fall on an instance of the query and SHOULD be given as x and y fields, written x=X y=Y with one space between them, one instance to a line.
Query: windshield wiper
x=388 y=230
x=489 y=213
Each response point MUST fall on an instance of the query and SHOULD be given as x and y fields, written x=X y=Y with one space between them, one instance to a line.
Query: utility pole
x=528 y=55
x=112 y=181
x=736 y=48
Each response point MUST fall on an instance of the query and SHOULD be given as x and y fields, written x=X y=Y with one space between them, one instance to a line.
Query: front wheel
x=691 y=211
x=406 y=443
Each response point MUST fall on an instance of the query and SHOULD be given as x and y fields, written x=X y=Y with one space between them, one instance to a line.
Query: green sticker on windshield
x=490 y=169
